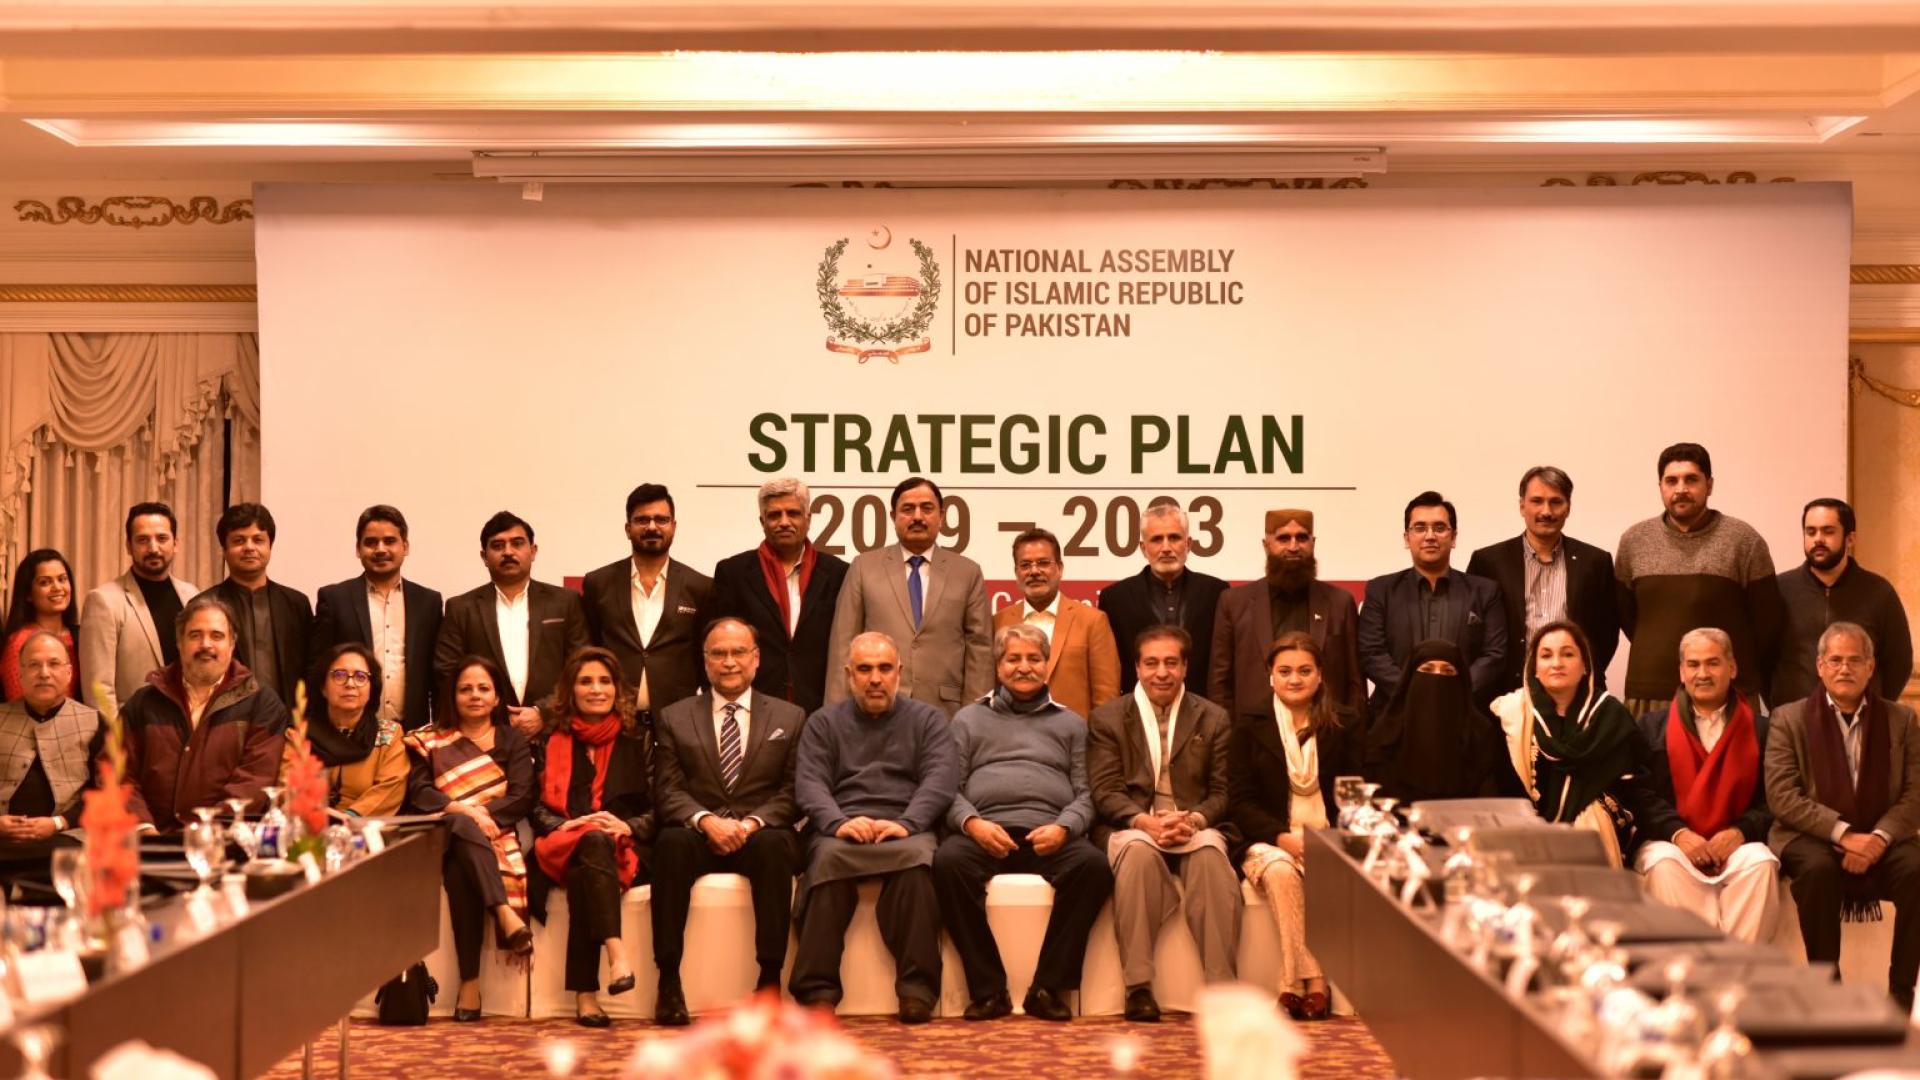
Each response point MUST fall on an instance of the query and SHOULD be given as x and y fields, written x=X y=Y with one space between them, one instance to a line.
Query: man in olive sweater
x=1829 y=588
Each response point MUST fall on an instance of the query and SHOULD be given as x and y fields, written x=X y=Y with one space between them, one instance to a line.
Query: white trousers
x=1743 y=899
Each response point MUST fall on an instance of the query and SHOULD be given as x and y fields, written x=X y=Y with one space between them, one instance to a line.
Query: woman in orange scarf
x=594 y=818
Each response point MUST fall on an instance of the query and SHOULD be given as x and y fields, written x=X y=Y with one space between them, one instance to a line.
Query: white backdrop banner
x=1050 y=357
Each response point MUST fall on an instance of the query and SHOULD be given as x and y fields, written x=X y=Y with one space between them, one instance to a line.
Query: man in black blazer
x=650 y=609
x=1545 y=575
x=786 y=590
x=1429 y=600
x=270 y=621
x=527 y=627
x=1165 y=593
x=723 y=787
x=370 y=607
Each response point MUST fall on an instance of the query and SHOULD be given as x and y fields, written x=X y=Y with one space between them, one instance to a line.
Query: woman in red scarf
x=594 y=819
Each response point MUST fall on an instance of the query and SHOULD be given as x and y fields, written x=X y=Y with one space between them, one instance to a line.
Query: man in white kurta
x=1704 y=816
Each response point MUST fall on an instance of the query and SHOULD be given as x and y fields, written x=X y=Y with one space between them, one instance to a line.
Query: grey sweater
x=1022 y=771
x=898 y=766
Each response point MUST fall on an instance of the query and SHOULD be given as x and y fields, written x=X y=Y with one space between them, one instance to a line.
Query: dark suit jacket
x=1243 y=628
x=1591 y=600
x=340 y=615
x=555 y=628
x=1120 y=770
x=1657 y=817
x=686 y=762
x=1390 y=626
x=626 y=793
x=672 y=659
x=1259 y=795
x=292 y=622
x=1129 y=607
x=795 y=668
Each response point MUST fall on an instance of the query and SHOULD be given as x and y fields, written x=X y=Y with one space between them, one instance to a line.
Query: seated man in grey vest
x=47 y=744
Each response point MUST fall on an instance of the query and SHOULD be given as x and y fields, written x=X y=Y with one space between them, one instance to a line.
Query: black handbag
x=405 y=997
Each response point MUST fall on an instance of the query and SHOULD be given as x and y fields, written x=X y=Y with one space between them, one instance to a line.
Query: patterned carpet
x=1012 y=1049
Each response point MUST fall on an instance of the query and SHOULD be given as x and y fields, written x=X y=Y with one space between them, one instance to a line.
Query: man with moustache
x=1432 y=600
x=527 y=627
x=649 y=608
x=1251 y=616
x=931 y=600
x=1693 y=566
x=1843 y=782
x=1547 y=576
x=1832 y=587
x=723 y=786
x=1083 y=661
x=274 y=621
x=786 y=590
x=202 y=730
x=1164 y=593
x=876 y=773
x=48 y=743
x=398 y=619
x=126 y=625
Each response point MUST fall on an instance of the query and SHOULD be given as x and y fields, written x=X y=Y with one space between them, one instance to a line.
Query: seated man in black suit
x=1432 y=600
x=398 y=619
x=734 y=819
x=1165 y=593
x=786 y=590
x=649 y=609
x=1545 y=576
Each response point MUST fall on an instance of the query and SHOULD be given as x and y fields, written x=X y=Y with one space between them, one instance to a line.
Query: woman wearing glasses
x=366 y=761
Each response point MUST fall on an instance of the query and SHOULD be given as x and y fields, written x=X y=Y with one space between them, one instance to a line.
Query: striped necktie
x=730 y=745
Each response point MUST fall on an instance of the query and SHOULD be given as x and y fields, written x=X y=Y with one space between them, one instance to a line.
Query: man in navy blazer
x=1429 y=600
x=1545 y=575
x=346 y=611
x=786 y=590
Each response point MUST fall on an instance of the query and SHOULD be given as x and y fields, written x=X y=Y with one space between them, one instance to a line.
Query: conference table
x=242 y=999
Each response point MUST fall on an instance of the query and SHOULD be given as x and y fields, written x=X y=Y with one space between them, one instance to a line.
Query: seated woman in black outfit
x=1431 y=741
x=594 y=818
x=473 y=766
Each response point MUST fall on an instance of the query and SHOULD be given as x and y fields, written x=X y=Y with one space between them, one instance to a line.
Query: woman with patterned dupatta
x=475 y=768
x=594 y=819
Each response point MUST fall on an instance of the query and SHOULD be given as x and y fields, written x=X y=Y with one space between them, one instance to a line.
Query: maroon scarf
x=776 y=576
x=1860 y=807
x=555 y=850
x=1712 y=790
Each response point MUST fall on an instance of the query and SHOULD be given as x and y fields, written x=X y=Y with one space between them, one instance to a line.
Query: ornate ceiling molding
x=134 y=211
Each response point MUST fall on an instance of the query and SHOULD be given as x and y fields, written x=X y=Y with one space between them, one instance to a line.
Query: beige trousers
x=1743 y=899
x=1283 y=882
x=1145 y=897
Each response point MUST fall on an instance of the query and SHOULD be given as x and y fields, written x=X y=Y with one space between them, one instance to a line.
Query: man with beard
x=1690 y=567
x=526 y=627
x=1546 y=576
x=1252 y=615
x=1430 y=600
x=649 y=609
x=1083 y=661
x=786 y=590
x=126 y=625
x=1164 y=593
x=1831 y=587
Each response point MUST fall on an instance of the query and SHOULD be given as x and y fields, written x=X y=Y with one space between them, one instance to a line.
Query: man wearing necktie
x=932 y=601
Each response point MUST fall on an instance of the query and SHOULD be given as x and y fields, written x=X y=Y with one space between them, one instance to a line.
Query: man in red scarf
x=786 y=590
x=1704 y=818
x=1843 y=779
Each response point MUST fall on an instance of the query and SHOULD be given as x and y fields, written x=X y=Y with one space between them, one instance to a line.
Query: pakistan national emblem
x=885 y=307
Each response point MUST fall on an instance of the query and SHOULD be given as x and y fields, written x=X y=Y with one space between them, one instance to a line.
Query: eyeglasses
x=730 y=654
x=1845 y=663
x=1034 y=564
x=1422 y=528
x=656 y=520
x=343 y=677
x=37 y=666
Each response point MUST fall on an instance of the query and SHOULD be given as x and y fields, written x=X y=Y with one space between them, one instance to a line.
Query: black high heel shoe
x=593 y=1020
x=465 y=1016
x=621 y=985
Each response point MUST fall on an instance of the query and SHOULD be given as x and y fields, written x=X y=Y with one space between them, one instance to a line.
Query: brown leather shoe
x=1318 y=1006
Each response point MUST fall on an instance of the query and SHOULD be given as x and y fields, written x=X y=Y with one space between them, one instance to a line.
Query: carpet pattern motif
x=1011 y=1049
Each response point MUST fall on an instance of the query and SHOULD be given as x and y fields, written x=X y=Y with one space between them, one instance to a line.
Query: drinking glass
x=68 y=867
x=273 y=838
x=1349 y=795
x=239 y=833
x=206 y=851
x=1726 y=1053
x=35 y=1042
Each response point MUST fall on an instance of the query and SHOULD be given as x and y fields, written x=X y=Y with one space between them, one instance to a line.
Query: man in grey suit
x=723 y=787
x=126 y=625
x=1843 y=782
x=932 y=601
x=650 y=609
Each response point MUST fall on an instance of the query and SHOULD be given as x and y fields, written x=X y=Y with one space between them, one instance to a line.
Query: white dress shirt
x=742 y=716
x=1044 y=618
x=516 y=636
x=1710 y=725
x=648 y=607
x=387 y=617
x=793 y=599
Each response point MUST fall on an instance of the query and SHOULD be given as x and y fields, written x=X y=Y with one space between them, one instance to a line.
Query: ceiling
x=277 y=90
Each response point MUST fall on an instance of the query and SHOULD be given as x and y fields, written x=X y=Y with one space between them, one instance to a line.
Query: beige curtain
x=93 y=423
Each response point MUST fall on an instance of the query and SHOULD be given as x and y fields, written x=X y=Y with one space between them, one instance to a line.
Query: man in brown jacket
x=1843 y=781
x=1288 y=597
x=202 y=730
x=1083 y=662
x=1157 y=767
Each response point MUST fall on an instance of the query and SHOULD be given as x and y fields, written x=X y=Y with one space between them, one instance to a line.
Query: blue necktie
x=915 y=595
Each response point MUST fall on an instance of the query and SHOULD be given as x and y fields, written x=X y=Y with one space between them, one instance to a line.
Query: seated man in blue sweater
x=1023 y=808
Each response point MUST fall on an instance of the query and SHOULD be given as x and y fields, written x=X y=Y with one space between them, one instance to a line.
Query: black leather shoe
x=593 y=1020
x=991 y=1007
x=768 y=980
x=670 y=1007
x=1141 y=1008
x=915 y=1011
x=621 y=985
x=465 y=1016
x=1043 y=1004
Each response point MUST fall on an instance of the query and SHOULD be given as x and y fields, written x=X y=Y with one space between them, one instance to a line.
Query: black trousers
x=767 y=861
x=1819 y=884
x=909 y=923
x=471 y=875
x=1081 y=883
x=593 y=906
